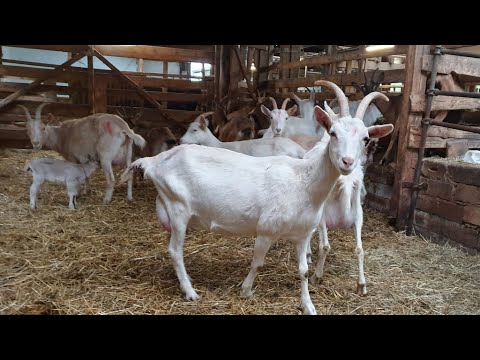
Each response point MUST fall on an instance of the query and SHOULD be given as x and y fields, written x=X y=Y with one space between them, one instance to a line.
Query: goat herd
x=305 y=173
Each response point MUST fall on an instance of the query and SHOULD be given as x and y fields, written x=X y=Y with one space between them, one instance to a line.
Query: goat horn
x=295 y=97
x=342 y=99
x=285 y=102
x=274 y=102
x=27 y=113
x=38 y=113
x=207 y=113
x=366 y=101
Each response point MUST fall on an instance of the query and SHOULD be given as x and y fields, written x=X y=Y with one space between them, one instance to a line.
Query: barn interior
x=422 y=208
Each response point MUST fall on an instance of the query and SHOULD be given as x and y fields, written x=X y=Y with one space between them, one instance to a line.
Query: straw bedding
x=113 y=259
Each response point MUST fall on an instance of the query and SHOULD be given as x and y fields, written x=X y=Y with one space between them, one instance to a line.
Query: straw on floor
x=113 y=259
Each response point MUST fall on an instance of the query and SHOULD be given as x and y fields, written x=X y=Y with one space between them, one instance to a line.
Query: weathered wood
x=66 y=48
x=438 y=137
x=448 y=63
x=406 y=158
x=445 y=209
x=244 y=73
x=37 y=82
x=157 y=53
x=339 y=79
x=456 y=148
x=377 y=203
x=77 y=74
x=343 y=56
x=91 y=84
x=442 y=102
x=100 y=95
x=439 y=228
x=164 y=96
x=379 y=189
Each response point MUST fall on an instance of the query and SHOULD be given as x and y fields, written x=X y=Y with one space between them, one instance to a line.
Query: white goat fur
x=283 y=124
x=199 y=133
x=342 y=210
x=61 y=172
x=272 y=198
x=104 y=138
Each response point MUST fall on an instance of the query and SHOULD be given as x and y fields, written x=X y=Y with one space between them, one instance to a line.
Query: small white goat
x=272 y=198
x=58 y=171
x=283 y=124
x=199 y=133
x=343 y=207
x=105 y=138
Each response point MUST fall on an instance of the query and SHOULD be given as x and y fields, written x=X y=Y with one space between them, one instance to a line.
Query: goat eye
x=333 y=134
x=366 y=139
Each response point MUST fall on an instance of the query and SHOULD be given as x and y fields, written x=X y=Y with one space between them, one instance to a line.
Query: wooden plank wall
x=110 y=92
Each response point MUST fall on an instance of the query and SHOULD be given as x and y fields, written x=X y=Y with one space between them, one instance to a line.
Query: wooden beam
x=438 y=137
x=157 y=53
x=343 y=56
x=244 y=73
x=32 y=85
x=66 y=48
x=442 y=102
x=91 y=84
x=448 y=63
x=339 y=79
x=414 y=84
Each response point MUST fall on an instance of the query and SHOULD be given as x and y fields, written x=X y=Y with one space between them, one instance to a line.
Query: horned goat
x=272 y=198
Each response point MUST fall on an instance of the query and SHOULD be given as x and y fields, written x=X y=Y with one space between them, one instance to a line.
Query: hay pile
x=113 y=259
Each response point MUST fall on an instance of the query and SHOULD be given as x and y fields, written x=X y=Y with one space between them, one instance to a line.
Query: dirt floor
x=113 y=259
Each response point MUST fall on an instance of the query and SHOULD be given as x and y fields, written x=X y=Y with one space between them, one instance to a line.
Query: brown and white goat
x=103 y=138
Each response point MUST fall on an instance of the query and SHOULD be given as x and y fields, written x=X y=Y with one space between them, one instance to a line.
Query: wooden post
x=414 y=84
x=91 y=84
x=142 y=92
x=165 y=72
x=332 y=50
x=100 y=95
x=295 y=54
x=140 y=66
x=37 y=82
x=245 y=75
x=284 y=59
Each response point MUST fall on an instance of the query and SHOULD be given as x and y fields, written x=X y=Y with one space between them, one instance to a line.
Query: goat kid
x=60 y=172
x=272 y=198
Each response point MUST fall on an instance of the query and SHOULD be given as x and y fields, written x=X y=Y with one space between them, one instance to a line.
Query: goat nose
x=278 y=130
x=347 y=161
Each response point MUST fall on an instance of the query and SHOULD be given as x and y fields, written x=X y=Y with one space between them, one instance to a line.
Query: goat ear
x=265 y=110
x=379 y=131
x=52 y=119
x=329 y=110
x=292 y=110
x=323 y=118
x=203 y=122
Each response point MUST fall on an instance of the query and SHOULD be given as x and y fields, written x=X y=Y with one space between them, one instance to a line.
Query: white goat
x=372 y=114
x=343 y=207
x=272 y=198
x=104 y=138
x=283 y=124
x=58 y=171
x=199 y=133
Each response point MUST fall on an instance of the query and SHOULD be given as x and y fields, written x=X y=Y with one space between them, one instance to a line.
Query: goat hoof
x=314 y=280
x=246 y=293
x=192 y=296
x=361 y=289
x=309 y=309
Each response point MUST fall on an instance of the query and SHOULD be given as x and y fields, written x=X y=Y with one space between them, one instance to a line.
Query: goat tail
x=137 y=165
x=138 y=140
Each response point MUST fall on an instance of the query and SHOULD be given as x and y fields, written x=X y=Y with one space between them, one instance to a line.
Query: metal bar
x=423 y=139
x=455 y=93
x=456 y=126
x=460 y=53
